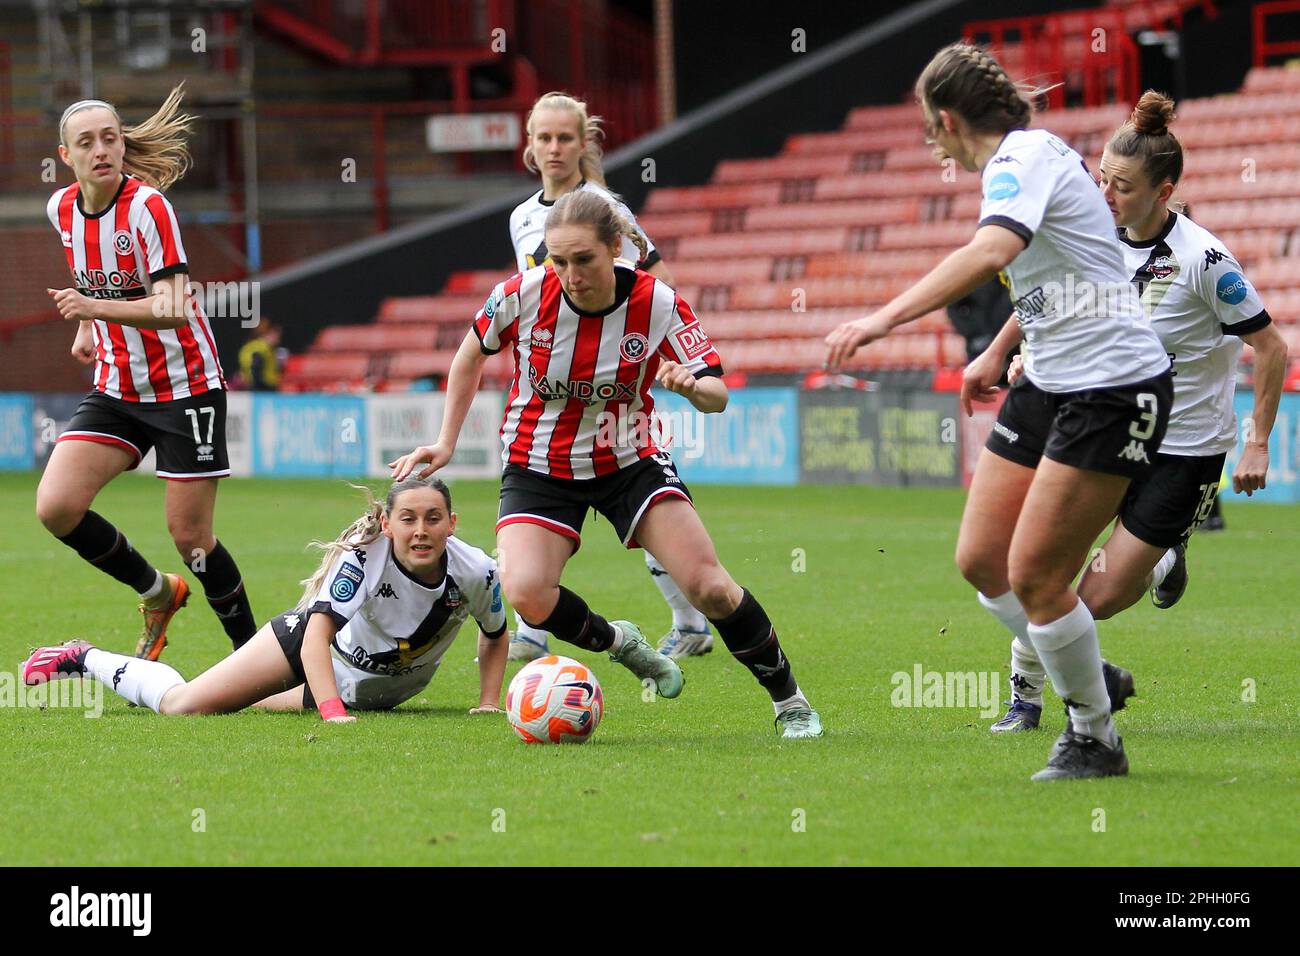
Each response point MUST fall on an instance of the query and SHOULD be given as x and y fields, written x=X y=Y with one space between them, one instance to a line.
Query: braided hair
x=969 y=81
x=1147 y=137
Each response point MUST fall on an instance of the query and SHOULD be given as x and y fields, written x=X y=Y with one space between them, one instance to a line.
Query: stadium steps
x=840 y=222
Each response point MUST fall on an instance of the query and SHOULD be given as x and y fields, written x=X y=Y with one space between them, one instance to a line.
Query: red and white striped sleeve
x=159 y=234
x=688 y=344
x=497 y=323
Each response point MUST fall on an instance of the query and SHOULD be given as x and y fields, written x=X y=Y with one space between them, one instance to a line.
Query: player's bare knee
x=57 y=515
x=529 y=596
x=985 y=574
x=191 y=541
x=709 y=590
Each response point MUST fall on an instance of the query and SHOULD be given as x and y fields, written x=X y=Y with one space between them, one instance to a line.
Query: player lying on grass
x=1094 y=405
x=1203 y=307
x=589 y=338
x=373 y=624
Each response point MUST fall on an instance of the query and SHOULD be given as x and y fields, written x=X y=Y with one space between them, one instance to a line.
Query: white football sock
x=1027 y=673
x=524 y=629
x=790 y=703
x=155 y=589
x=686 y=617
x=1163 y=567
x=143 y=683
x=1071 y=654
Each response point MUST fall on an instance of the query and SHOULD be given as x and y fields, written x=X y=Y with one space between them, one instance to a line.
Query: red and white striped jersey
x=580 y=404
x=119 y=254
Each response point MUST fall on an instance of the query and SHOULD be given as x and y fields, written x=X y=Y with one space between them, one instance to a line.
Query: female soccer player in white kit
x=589 y=335
x=1093 y=407
x=387 y=601
x=1200 y=303
x=157 y=383
x=564 y=148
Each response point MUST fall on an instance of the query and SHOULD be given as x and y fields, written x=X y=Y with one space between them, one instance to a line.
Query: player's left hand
x=676 y=378
x=486 y=709
x=1252 y=470
x=72 y=304
x=848 y=337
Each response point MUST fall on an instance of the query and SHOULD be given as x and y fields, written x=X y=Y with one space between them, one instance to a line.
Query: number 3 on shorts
x=1145 y=426
x=212 y=417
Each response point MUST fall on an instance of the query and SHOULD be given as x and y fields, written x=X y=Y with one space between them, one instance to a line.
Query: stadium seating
x=774 y=252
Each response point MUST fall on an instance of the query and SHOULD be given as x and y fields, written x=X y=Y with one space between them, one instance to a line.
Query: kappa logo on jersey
x=1135 y=451
x=1003 y=186
x=588 y=392
x=102 y=279
x=122 y=242
x=1231 y=288
x=203 y=452
x=361 y=556
x=66 y=238
x=386 y=590
x=693 y=341
x=634 y=347
x=345 y=583
x=291 y=621
x=542 y=339
x=1212 y=258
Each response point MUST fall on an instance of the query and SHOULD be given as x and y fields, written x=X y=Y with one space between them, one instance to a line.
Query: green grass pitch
x=860 y=584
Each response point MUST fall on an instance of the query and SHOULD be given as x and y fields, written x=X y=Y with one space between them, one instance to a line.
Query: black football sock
x=750 y=637
x=574 y=622
x=225 y=593
x=108 y=549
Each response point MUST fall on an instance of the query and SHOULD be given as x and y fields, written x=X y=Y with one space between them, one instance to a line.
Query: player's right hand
x=437 y=455
x=979 y=383
x=1016 y=370
x=83 y=346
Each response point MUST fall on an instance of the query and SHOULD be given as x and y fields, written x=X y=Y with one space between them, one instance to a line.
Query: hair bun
x=1153 y=114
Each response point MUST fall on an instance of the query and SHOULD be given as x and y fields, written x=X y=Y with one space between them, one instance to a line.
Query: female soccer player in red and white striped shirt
x=564 y=149
x=589 y=338
x=157 y=382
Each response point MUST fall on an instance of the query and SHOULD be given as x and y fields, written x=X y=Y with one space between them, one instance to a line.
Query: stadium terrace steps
x=841 y=221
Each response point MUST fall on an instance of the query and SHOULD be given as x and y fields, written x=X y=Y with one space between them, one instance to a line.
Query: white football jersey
x=528 y=230
x=1082 y=322
x=393 y=628
x=1198 y=300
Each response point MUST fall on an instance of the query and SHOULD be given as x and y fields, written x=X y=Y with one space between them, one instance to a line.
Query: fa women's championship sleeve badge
x=345 y=583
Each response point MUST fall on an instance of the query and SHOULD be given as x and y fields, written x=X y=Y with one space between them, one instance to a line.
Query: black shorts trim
x=561 y=504
x=1164 y=507
x=1006 y=222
